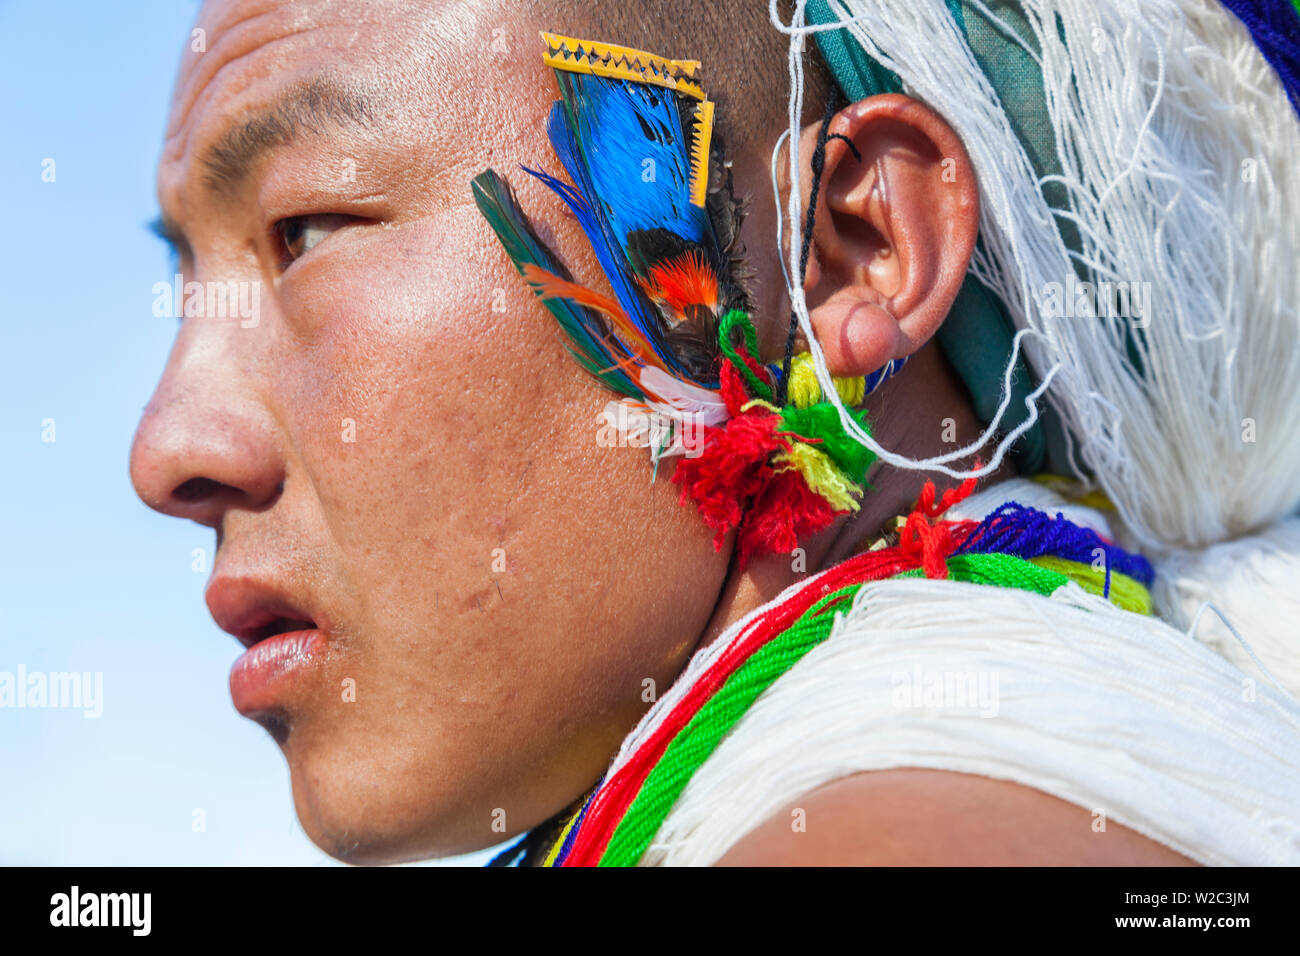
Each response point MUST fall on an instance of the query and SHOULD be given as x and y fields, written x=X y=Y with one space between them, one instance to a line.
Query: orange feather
x=682 y=282
x=551 y=286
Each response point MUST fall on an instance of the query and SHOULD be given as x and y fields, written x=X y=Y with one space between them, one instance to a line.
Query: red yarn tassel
x=925 y=503
x=734 y=388
x=733 y=468
x=932 y=542
x=786 y=511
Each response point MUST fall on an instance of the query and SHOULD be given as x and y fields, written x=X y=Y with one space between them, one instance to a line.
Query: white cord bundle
x=1117 y=713
x=1177 y=145
x=1252 y=584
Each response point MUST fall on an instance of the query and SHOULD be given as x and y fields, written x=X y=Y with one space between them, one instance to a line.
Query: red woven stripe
x=614 y=798
x=915 y=550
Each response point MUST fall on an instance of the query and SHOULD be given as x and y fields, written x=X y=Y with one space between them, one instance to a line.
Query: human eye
x=298 y=235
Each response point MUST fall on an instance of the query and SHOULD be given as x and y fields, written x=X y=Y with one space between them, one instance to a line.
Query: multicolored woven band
x=1015 y=547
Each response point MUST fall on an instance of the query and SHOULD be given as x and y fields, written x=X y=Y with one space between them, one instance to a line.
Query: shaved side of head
x=745 y=59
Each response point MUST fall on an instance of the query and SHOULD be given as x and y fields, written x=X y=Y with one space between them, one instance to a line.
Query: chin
x=367 y=812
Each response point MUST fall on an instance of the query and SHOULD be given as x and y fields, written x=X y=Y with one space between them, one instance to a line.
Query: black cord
x=818 y=167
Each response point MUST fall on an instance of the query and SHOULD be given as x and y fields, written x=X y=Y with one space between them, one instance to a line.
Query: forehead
x=427 y=60
x=238 y=42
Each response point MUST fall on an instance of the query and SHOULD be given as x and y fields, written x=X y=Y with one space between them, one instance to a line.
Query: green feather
x=587 y=334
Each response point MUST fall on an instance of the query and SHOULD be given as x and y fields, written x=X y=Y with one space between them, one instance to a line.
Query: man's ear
x=896 y=220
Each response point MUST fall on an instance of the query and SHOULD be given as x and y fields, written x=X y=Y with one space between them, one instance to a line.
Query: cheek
x=424 y=381
x=512 y=583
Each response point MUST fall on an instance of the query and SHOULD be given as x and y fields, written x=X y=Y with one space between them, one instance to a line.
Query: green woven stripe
x=999 y=570
x=696 y=741
x=1005 y=571
x=699 y=738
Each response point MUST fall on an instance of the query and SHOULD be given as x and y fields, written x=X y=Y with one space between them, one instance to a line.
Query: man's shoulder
x=918 y=817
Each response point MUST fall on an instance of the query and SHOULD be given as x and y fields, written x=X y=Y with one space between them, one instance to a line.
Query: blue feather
x=608 y=237
x=636 y=156
x=610 y=252
x=627 y=147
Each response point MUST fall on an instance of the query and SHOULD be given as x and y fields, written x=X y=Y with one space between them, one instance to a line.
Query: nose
x=206 y=441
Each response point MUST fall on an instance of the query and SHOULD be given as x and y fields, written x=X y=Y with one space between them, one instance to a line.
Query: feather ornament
x=650 y=186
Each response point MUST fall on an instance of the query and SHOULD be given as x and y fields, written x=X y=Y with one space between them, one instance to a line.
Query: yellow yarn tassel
x=821 y=474
x=759 y=403
x=805 y=390
x=1125 y=592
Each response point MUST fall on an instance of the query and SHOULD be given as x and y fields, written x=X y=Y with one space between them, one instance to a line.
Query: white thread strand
x=1100 y=707
x=1173 y=135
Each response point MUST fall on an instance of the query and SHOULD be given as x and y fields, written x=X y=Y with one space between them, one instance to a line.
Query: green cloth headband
x=976 y=337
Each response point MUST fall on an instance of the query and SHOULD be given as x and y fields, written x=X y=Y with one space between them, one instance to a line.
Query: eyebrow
x=312 y=105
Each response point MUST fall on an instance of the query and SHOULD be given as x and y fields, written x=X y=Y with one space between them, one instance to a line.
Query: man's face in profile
x=452 y=596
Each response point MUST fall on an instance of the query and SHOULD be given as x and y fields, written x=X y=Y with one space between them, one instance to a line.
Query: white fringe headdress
x=1178 y=150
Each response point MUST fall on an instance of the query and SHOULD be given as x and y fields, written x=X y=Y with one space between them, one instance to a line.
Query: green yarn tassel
x=822 y=421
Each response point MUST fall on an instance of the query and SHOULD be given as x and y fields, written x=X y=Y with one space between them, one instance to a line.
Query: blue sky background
x=90 y=579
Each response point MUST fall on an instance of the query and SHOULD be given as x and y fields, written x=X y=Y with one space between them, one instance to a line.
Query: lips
x=284 y=643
